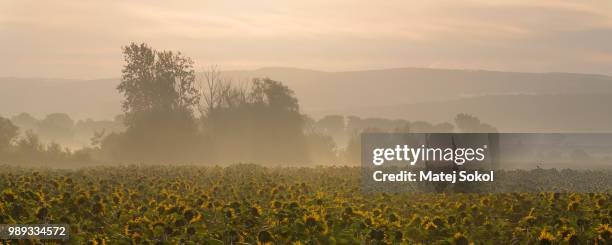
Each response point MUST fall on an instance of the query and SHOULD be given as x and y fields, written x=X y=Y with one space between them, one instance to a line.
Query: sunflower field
x=251 y=204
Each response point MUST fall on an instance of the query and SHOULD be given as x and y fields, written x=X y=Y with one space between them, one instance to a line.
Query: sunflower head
x=377 y=234
x=604 y=232
x=348 y=210
x=430 y=226
x=255 y=210
x=460 y=239
x=276 y=204
x=188 y=214
x=546 y=238
x=264 y=237
x=42 y=212
x=9 y=195
x=311 y=220
x=230 y=214
x=573 y=206
x=393 y=217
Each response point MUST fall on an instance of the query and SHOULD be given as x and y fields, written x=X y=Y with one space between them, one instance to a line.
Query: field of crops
x=249 y=204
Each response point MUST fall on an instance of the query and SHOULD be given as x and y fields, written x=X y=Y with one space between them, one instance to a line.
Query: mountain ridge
x=339 y=92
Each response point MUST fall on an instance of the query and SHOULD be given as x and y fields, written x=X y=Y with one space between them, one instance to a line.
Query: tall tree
x=160 y=96
x=156 y=81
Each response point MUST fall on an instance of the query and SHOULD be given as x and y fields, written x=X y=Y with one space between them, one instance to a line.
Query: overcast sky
x=83 y=39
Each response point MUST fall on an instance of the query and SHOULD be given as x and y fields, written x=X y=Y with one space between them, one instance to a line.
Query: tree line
x=171 y=114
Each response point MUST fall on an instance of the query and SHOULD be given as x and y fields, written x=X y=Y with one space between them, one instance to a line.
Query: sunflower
x=311 y=220
x=546 y=238
x=430 y=226
x=573 y=206
x=255 y=210
x=460 y=239
x=9 y=195
x=42 y=213
x=264 y=238
x=377 y=234
x=604 y=232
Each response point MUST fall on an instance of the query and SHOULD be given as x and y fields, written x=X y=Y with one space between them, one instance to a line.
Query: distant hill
x=514 y=113
x=96 y=99
x=324 y=92
x=509 y=100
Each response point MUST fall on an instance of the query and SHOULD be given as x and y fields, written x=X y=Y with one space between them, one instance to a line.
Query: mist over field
x=278 y=122
x=338 y=106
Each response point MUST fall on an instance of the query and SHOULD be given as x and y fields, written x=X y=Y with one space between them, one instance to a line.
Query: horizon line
x=67 y=79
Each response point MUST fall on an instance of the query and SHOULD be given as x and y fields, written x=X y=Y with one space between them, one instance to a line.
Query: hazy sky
x=83 y=39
